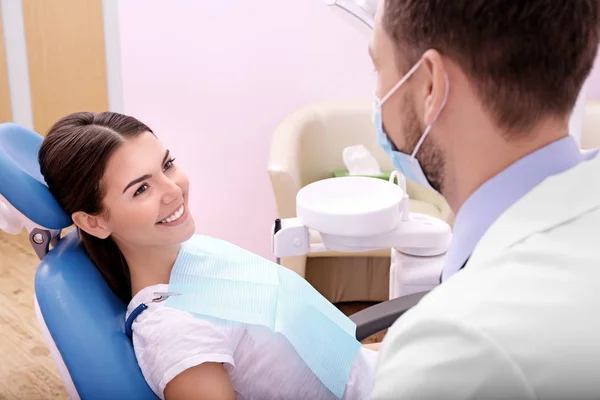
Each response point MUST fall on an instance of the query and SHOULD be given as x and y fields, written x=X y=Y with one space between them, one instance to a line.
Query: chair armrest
x=381 y=316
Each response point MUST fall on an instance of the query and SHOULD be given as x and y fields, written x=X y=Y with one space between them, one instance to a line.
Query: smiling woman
x=124 y=192
x=129 y=201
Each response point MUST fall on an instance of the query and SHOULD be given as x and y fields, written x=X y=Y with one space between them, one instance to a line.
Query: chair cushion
x=86 y=320
x=21 y=182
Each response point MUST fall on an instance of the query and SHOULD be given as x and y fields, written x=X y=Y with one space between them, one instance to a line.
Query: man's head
x=511 y=66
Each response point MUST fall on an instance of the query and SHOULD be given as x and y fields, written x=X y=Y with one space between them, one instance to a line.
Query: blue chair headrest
x=21 y=182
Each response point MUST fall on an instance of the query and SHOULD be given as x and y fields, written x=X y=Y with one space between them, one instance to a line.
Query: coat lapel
x=553 y=202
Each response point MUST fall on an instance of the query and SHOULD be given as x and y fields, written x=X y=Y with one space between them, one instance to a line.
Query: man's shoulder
x=546 y=283
x=519 y=315
x=505 y=321
x=563 y=259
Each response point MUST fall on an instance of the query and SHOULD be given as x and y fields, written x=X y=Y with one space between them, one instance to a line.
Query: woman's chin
x=179 y=233
x=187 y=229
x=190 y=228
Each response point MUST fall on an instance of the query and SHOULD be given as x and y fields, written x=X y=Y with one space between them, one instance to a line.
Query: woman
x=129 y=202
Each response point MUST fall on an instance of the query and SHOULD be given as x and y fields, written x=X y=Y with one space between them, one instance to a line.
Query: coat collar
x=553 y=202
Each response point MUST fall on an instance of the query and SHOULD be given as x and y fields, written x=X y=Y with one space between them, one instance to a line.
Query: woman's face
x=146 y=196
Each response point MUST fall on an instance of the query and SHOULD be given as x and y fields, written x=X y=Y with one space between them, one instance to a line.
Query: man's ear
x=92 y=224
x=437 y=85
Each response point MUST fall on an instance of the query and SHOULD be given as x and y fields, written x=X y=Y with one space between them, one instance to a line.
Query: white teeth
x=175 y=216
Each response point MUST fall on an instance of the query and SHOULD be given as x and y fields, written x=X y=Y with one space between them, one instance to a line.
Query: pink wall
x=214 y=78
x=594 y=81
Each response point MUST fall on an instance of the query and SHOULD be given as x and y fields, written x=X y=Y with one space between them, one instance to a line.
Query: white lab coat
x=522 y=320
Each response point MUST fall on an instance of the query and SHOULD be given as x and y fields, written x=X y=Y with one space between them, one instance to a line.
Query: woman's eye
x=168 y=164
x=141 y=190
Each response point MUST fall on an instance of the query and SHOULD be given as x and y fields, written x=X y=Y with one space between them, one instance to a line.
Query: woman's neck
x=149 y=266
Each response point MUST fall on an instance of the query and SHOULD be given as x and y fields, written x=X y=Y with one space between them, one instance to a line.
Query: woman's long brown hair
x=73 y=158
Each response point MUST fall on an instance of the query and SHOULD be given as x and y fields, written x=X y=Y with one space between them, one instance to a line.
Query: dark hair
x=526 y=59
x=72 y=158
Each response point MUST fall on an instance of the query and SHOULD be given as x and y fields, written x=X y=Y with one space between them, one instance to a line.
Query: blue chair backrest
x=84 y=317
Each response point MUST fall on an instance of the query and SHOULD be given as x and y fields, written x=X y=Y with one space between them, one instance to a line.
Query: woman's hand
x=208 y=381
x=372 y=346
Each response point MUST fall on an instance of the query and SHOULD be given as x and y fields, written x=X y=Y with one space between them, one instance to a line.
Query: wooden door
x=66 y=58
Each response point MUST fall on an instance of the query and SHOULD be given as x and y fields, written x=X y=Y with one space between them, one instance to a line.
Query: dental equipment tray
x=353 y=214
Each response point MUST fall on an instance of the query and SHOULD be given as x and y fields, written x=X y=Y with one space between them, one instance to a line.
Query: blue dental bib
x=217 y=279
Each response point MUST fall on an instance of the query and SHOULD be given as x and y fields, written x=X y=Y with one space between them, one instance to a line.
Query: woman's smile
x=176 y=218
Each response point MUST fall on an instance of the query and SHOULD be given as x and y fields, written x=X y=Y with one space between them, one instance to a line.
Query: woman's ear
x=437 y=85
x=92 y=224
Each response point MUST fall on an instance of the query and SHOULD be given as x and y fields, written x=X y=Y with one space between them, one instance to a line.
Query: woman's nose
x=172 y=191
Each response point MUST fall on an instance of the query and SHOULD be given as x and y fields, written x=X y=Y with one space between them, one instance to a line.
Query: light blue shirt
x=496 y=195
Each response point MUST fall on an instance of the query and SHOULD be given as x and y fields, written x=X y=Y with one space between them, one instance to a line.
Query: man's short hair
x=526 y=59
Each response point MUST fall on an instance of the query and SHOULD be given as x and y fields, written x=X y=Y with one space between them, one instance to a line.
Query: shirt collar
x=496 y=195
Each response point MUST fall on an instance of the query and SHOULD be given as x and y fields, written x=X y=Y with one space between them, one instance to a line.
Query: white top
x=262 y=364
x=521 y=320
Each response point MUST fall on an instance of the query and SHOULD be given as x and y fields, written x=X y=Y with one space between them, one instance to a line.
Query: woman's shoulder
x=168 y=341
x=156 y=315
x=146 y=296
x=158 y=319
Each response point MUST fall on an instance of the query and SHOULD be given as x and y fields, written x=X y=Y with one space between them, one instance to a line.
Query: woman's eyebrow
x=137 y=180
x=144 y=177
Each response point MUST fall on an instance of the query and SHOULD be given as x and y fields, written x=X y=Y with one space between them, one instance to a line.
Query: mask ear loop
x=428 y=128
x=404 y=79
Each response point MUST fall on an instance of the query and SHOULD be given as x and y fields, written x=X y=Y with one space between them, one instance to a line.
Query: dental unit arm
x=356 y=214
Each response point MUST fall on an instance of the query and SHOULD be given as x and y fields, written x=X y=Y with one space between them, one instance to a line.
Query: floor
x=27 y=370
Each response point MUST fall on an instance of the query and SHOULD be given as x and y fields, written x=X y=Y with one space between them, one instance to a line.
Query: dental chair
x=81 y=319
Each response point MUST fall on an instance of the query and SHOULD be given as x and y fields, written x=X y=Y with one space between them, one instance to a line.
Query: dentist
x=473 y=100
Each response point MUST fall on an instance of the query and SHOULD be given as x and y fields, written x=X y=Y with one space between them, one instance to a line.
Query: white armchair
x=307 y=146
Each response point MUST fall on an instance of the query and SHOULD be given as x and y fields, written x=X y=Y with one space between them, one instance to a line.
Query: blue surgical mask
x=406 y=164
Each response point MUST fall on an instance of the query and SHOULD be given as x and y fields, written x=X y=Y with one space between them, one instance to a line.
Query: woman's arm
x=207 y=381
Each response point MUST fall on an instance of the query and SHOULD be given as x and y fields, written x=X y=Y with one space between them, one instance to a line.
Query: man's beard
x=429 y=155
